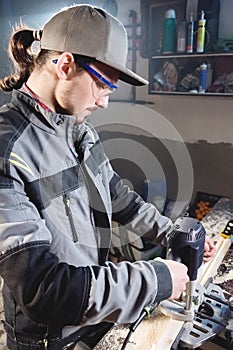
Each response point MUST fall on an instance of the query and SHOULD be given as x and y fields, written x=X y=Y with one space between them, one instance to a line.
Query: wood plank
x=211 y=267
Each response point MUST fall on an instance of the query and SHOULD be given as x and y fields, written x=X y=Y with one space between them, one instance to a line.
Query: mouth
x=89 y=111
x=92 y=109
x=81 y=116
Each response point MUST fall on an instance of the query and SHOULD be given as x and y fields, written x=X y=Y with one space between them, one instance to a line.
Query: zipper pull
x=45 y=341
x=68 y=202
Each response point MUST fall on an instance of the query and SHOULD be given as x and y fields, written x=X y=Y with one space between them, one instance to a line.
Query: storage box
x=202 y=204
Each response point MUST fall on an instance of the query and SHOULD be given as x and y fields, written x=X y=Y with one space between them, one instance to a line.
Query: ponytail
x=22 y=56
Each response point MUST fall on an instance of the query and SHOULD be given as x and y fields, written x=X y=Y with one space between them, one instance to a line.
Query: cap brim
x=126 y=74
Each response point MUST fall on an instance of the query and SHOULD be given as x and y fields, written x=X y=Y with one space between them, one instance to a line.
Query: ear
x=65 y=64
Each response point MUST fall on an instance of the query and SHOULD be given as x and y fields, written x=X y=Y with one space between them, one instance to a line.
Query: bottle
x=209 y=76
x=202 y=78
x=169 y=32
x=201 y=33
x=181 y=37
x=190 y=30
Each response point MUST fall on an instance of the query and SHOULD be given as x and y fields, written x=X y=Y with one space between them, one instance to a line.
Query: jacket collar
x=45 y=119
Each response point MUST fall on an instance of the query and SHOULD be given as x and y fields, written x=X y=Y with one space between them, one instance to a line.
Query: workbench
x=159 y=332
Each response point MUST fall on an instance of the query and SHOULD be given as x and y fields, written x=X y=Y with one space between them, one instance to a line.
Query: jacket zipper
x=71 y=219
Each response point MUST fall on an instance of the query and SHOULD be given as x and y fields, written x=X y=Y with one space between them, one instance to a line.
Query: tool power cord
x=146 y=313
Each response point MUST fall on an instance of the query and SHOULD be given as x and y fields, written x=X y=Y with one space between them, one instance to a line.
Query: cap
x=170 y=13
x=93 y=32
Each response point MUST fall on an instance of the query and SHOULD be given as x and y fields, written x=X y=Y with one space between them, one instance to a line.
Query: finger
x=212 y=250
x=207 y=254
x=207 y=247
x=212 y=246
x=207 y=259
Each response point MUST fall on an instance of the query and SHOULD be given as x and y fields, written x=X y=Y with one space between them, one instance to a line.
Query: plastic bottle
x=201 y=33
x=209 y=77
x=169 y=32
x=181 y=37
x=190 y=29
x=202 y=78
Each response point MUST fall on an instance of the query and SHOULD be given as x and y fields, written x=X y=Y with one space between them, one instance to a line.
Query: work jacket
x=58 y=198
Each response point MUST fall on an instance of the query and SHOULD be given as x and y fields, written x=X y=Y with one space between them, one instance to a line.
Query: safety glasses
x=101 y=86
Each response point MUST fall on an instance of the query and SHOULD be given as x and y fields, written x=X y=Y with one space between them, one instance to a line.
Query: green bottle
x=169 y=32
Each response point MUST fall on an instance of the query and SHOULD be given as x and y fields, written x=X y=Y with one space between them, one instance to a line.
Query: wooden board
x=210 y=268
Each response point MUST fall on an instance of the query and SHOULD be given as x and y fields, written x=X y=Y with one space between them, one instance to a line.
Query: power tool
x=186 y=244
x=204 y=309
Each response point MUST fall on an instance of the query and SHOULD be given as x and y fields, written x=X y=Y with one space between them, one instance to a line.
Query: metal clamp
x=210 y=319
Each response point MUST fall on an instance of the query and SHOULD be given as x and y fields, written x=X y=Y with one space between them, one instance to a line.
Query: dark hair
x=21 y=55
x=24 y=59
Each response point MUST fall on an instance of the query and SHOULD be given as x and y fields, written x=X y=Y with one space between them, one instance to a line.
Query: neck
x=41 y=88
x=26 y=89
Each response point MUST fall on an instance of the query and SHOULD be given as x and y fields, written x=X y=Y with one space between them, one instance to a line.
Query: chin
x=83 y=115
x=81 y=118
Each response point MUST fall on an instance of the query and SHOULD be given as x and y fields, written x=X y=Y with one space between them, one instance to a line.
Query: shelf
x=182 y=76
x=192 y=55
x=179 y=73
x=217 y=94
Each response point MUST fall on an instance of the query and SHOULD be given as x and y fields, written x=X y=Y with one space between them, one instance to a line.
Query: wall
x=204 y=123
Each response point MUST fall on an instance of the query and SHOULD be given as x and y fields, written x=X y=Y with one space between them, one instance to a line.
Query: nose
x=102 y=102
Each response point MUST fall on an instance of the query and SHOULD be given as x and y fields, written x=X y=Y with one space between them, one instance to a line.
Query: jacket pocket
x=20 y=341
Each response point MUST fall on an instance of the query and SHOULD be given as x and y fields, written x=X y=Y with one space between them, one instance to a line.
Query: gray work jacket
x=58 y=198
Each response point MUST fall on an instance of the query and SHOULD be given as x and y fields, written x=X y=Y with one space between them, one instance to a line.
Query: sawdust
x=225 y=270
x=224 y=276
